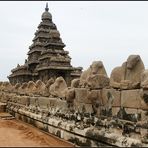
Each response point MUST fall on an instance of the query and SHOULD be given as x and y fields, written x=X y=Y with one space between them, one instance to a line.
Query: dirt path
x=15 y=133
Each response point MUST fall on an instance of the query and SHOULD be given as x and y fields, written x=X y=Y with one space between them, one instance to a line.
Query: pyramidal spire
x=46 y=9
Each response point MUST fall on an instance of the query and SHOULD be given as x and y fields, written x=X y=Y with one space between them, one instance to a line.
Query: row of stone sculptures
x=51 y=88
x=131 y=75
x=94 y=99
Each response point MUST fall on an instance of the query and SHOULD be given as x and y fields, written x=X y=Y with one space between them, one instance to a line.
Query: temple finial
x=46 y=9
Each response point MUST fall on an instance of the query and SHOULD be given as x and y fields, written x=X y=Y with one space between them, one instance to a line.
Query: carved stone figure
x=94 y=76
x=22 y=88
x=17 y=85
x=40 y=87
x=144 y=79
x=58 y=88
x=128 y=76
x=70 y=92
x=75 y=83
x=70 y=96
x=97 y=81
x=31 y=88
x=6 y=86
x=47 y=87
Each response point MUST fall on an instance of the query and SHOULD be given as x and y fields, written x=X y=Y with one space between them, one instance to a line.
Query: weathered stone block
x=144 y=105
x=15 y=98
x=131 y=98
x=94 y=95
x=132 y=111
x=144 y=100
x=143 y=132
x=116 y=97
x=43 y=102
x=144 y=115
x=97 y=81
x=115 y=110
x=83 y=107
x=57 y=104
x=38 y=124
x=33 y=100
x=4 y=98
x=2 y=107
x=24 y=100
x=83 y=95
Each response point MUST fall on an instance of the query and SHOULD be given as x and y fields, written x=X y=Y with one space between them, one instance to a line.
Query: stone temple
x=86 y=109
x=46 y=57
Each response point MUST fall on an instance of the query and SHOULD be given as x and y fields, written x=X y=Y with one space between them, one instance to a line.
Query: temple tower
x=46 y=56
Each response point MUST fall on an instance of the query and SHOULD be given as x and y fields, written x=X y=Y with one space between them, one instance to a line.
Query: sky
x=109 y=31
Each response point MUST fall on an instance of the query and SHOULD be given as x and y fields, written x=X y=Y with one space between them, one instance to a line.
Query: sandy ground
x=17 y=134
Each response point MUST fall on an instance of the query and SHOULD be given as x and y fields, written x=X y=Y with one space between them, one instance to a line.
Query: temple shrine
x=46 y=57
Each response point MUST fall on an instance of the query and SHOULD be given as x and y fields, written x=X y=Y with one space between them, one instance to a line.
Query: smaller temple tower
x=46 y=57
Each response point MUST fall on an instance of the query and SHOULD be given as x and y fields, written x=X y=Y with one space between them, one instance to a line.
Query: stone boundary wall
x=53 y=115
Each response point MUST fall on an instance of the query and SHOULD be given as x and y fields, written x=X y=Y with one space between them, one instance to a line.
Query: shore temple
x=46 y=57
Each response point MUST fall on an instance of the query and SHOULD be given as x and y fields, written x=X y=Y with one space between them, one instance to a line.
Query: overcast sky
x=106 y=31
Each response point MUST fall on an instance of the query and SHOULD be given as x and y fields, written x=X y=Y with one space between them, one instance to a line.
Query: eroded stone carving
x=95 y=76
x=6 y=86
x=70 y=93
x=22 y=89
x=17 y=85
x=75 y=83
x=40 y=87
x=128 y=76
x=31 y=88
x=58 y=88
x=144 y=79
x=47 y=87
